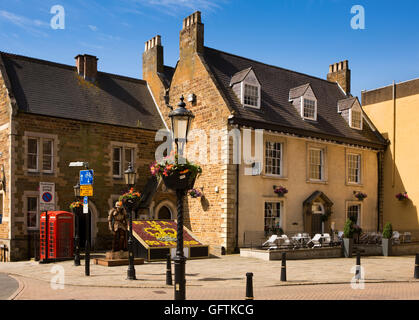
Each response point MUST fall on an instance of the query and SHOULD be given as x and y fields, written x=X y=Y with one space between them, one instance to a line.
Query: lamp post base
x=131 y=274
x=180 y=281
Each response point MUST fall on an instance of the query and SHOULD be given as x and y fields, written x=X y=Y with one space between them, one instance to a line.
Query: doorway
x=164 y=213
x=317 y=224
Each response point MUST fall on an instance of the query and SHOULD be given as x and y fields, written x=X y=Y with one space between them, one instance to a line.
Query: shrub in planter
x=387 y=241
x=348 y=233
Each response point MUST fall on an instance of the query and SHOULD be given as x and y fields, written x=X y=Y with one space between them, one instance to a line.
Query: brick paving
x=41 y=290
x=224 y=278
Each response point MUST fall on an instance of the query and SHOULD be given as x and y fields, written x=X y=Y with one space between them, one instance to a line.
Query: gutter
x=236 y=249
x=304 y=133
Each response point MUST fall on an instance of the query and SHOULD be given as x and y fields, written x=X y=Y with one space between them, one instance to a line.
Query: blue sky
x=301 y=35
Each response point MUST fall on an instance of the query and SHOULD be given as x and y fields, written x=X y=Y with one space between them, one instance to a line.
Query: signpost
x=46 y=203
x=86 y=190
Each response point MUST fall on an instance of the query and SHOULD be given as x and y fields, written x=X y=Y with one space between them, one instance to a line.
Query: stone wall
x=75 y=141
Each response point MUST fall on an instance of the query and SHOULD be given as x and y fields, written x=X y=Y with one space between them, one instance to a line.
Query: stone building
x=317 y=143
x=52 y=114
x=394 y=110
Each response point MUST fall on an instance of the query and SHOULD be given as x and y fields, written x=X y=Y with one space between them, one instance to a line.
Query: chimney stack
x=191 y=36
x=153 y=56
x=340 y=73
x=87 y=66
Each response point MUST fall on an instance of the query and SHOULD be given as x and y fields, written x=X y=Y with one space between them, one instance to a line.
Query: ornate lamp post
x=76 y=213
x=181 y=119
x=130 y=176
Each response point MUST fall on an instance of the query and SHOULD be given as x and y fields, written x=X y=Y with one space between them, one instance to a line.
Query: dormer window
x=351 y=111
x=304 y=101
x=309 y=109
x=246 y=86
x=356 y=120
x=251 y=95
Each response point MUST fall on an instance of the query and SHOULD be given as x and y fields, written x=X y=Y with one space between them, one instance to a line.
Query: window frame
x=37 y=139
x=352 y=204
x=302 y=101
x=322 y=164
x=281 y=170
x=27 y=211
x=360 y=119
x=359 y=175
x=42 y=140
x=281 y=212
x=122 y=149
x=242 y=89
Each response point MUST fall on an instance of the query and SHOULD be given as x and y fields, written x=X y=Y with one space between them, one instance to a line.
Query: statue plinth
x=115 y=255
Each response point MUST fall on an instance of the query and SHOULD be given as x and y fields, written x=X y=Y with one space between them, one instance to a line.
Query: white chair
x=340 y=234
x=326 y=239
x=286 y=242
x=271 y=241
x=407 y=237
x=396 y=237
x=315 y=241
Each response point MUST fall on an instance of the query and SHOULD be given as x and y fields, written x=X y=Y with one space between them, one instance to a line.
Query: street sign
x=86 y=177
x=86 y=191
x=85 y=205
x=46 y=196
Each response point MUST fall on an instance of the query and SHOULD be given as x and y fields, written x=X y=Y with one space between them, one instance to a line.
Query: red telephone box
x=60 y=235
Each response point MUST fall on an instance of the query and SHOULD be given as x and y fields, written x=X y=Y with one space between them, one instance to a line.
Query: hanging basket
x=177 y=181
x=131 y=204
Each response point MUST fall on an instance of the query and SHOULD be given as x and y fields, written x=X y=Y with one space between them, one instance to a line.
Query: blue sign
x=86 y=177
x=86 y=200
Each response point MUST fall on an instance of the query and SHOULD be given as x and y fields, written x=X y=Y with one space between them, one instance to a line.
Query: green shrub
x=388 y=231
x=348 y=230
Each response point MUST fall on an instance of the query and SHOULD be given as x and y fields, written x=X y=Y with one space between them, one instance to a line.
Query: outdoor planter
x=402 y=196
x=177 y=181
x=280 y=190
x=347 y=247
x=386 y=245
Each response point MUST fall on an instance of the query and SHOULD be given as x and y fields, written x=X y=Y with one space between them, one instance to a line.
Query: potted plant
x=76 y=207
x=386 y=241
x=280 y=190
x=402 y=196
x=348 y=233
x=195 y=193
x=176 y=174
x=360 y=195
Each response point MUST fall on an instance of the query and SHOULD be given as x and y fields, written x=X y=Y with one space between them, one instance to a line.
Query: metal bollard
x=169 y=271
x=358 y=266
x=284 y=267
x=249 y=286
x=417 y=266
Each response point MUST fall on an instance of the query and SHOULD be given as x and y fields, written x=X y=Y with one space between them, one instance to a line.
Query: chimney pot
x=87 y=66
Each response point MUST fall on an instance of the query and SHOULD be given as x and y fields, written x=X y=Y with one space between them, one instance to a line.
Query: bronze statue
x=117 y=219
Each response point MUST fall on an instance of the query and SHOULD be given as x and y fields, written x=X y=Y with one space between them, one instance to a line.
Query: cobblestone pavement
x=41 y=290
x=219 y=277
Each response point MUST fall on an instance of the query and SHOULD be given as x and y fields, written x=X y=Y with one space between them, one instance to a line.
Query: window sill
x=317 y=181
x=273 y=176
x=354 y=184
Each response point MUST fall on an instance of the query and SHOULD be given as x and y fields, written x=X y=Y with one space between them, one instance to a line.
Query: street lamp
x=181 y=119
x=77 y=222
x=130 y=176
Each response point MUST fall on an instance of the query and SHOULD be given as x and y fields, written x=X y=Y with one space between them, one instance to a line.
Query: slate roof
x=51 y=89
x=276 y=112
x=239 y=76
x=298 y=91
x=346 y=103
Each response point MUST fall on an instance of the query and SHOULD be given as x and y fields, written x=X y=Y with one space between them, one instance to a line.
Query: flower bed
x=160 y=233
